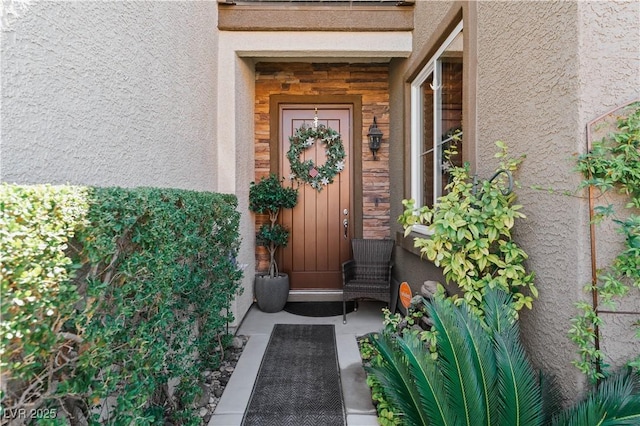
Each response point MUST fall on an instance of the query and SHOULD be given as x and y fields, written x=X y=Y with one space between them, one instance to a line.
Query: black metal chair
x=368 y=274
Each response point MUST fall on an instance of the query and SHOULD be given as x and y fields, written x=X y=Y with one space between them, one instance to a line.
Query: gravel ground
x=216 y=381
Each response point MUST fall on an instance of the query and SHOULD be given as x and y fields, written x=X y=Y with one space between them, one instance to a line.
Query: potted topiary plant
x=269 y=196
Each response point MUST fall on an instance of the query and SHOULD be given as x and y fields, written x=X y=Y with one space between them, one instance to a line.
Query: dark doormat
x=317 y=309
x=299 y=379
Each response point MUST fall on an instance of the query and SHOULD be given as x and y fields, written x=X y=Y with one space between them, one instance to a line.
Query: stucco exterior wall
x=609 y=52
x=109 y=93
x=237 y=154
x=528 y=96
x=538 y=96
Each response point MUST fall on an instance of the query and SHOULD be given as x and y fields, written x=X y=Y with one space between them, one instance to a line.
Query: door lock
x=345 y=224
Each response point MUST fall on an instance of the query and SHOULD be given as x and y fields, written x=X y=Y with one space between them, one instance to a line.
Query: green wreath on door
x=308 y=172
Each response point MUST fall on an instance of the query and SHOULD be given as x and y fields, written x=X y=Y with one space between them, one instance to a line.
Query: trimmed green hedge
x=108 y=294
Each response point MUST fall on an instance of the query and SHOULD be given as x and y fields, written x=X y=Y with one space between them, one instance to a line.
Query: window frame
x=417 y=125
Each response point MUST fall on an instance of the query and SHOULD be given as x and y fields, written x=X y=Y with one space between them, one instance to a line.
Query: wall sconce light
x=375 y=138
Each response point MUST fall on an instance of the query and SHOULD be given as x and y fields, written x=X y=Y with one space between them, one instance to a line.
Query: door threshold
x=315 y=296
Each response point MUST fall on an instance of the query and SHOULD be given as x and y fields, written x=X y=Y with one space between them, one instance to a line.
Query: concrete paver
x=258 y=325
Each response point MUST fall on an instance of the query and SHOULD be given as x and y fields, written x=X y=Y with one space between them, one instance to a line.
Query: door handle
x=345 y=224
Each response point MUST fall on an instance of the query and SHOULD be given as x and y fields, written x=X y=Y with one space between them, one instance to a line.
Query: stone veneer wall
x=371 y=81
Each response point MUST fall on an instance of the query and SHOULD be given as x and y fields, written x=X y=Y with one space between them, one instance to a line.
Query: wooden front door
x=319 y=240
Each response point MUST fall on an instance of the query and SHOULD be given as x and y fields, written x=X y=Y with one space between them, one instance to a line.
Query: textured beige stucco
x=237 y=152
x=544 y=70
x=109 y=93
x=528 y=96
x=618 y=341
x=609 y=52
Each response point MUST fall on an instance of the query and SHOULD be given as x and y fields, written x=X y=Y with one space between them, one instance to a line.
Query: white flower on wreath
x=340 y=166
x=309 y=141
x=292 y=176
x=325 y=181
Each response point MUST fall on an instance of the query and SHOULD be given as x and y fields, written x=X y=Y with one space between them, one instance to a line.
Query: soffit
x=326 y=46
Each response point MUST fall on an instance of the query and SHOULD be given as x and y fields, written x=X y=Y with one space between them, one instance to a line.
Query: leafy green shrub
x=276 y=234
x=149 y=302
x=471 y=236
x=36 y=225
x=270 y=197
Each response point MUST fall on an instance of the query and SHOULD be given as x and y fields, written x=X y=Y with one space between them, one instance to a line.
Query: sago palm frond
x=499 y=314
x=397 y=380
x=520 y=399
x=621 y=398
x=484 y=362
x=615 y=402
x=456 y=364
x=429 y=381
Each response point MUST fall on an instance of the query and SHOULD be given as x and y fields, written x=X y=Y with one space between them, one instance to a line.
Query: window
x=436 y=116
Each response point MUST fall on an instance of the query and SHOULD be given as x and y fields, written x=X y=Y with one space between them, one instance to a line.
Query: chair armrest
x=348 y=270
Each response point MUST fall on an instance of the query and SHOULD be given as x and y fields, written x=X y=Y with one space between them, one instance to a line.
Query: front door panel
x=318 y=244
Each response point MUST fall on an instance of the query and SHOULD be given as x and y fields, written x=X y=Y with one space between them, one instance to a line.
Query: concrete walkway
x=258 y=325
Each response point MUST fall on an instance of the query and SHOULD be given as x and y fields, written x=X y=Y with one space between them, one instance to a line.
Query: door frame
x=355 y=101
